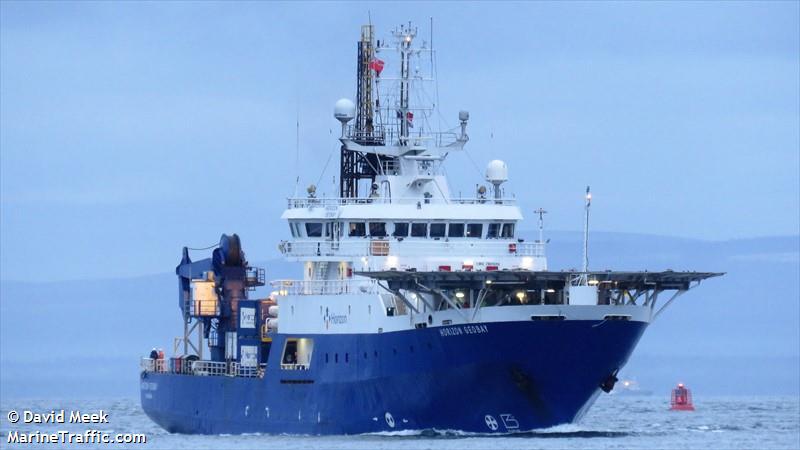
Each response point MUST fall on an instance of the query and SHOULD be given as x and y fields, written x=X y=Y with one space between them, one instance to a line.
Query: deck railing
x=321 y=202
x=324 y=287
x=201 y=367
x=380 y=135
x=409 y=247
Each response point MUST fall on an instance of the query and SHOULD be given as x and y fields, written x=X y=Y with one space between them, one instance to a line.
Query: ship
x=416 y=309
x=630 y=387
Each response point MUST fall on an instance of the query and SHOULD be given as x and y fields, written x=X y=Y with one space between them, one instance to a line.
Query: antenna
x=297 y=148
x=586 y=232
x=541 y=212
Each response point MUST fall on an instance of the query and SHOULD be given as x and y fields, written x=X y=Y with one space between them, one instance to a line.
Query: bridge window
x=438 y=229
x=508 y=230
x=293 y=229
x=400 y=229
x=357 y=229
x=313 y=229
x=419 y=230
x=455 y=230
x=494 y=230
x=474 y=230
x=377 y=229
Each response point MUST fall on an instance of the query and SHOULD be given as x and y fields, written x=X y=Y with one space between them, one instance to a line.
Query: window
x=295 y=226
x=474 y=230
x=377 y=229
x=508 y=230
x=357 y=229
x=494 y=230
x=313 y=229
x=419 y=230
x=297 y=353
x=437 y=229
x=400 y=229
x=455 y=230
x=290 y=352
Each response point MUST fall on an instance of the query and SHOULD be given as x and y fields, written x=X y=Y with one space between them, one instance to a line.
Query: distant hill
x=735 y=334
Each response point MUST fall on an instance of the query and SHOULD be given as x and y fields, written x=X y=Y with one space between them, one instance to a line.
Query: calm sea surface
x=614 y=422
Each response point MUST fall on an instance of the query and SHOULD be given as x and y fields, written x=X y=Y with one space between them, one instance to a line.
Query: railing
x=410 y=247
x=389 y=136
x=324 y=287
x=294 y=366
x=255 y=276
x=201 y=368
x=203 y=308
x=153 y=365
x=320 y=202
x=213 y=368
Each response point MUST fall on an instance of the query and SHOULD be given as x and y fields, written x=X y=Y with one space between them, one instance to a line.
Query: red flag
x=376 y=65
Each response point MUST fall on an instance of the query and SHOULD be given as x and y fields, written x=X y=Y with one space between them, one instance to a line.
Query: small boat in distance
x=630 y=387
x=681 y=399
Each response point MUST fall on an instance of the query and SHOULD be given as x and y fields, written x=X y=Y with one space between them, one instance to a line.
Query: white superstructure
x=404 y=217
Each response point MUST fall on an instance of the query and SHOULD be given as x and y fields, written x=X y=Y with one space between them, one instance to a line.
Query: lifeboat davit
x=681 y=399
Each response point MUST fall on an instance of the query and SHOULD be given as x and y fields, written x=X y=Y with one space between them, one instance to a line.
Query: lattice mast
x=356 y=165
x=364 y=83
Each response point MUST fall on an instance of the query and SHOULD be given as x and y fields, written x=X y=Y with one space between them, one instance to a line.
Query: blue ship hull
x=504 y=377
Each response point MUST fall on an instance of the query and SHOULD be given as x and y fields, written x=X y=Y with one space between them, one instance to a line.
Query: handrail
x=411 y=247
x=201 y=368
x=313 y=202
x=324 y=287
x=389 y=136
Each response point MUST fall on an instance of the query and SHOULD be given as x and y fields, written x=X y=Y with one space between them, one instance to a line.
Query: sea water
x=613 y=422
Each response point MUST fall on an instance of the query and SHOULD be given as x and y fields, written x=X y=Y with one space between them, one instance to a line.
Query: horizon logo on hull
x=330 y=318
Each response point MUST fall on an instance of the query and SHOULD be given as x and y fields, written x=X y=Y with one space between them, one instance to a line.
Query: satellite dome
x=496 y=172
x=345 y=110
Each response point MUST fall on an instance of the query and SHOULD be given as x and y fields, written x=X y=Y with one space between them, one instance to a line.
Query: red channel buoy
x=681 y=399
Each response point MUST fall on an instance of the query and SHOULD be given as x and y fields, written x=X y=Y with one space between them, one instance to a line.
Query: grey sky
x=130 y=129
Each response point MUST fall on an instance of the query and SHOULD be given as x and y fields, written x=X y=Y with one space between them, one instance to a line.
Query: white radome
x=345 y=110
x=496 y=171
